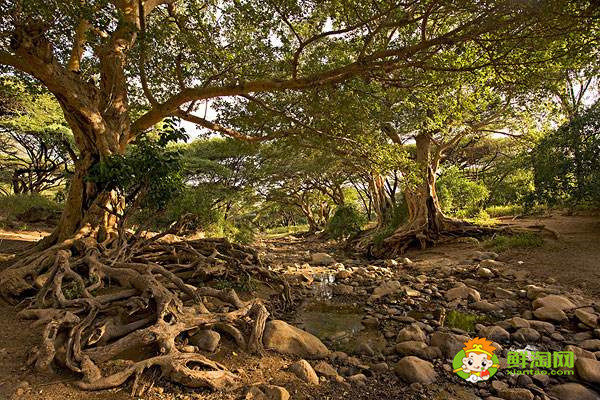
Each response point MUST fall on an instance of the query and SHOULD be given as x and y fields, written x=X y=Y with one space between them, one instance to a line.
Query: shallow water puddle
x=339 y=324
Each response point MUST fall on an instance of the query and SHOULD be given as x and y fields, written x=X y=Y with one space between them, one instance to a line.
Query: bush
x=566 y=163
x=347 y=221
x=521 y=240
x=505 y=210
x=13 y=205
x=458 y=195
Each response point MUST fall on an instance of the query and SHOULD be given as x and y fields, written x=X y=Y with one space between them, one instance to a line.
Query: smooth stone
x=206 y=340
x=495 y=333
x=526 y=335
x=573 y=391
x=322 y=259
x=549 y=313
x=287 y=339
x=305 y=372
x=554 y=300
x=411 y=333
x=587 y=318
x=515 y=394
x=462 y=292
x=415 y=370
x=588 y=369
x=325 y=369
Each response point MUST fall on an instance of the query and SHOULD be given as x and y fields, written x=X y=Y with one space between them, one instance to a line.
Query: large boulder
x=287 y=339
x=414 y=370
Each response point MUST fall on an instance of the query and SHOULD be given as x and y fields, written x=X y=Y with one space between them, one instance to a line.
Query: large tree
x=119 y=67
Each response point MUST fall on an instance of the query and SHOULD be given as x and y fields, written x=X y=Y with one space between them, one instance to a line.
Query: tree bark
x=426 y=220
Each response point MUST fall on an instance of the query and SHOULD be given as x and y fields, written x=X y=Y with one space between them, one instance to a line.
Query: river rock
x=504 y=293
x=518 y=322
x=578 y=352
x=587 y=318
x=550 y=313
x=341 y=289
x=526 y=335
x=590 y=344
x=542 y=326
x=489 y=263
x=554 y=300
x=414 y=370
x=448 y=343
x=267 y=392
x=303 y=370
x=325 y=369
x=495 y=333
x=287 y=339
x=588 y=369
x=462 y=292
x=485 y=306
x=385 y=289
x=322 y=259
x=206 y=340
x=343 y=274
x=515 y=394
x=485 y=272
x=411 y=333
x=572 y=391
x=419 y=349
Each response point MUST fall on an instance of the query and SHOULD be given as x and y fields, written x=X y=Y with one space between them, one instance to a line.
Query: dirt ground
x=572 y=262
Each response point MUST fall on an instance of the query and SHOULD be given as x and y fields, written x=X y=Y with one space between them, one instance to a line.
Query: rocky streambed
x=401 y=323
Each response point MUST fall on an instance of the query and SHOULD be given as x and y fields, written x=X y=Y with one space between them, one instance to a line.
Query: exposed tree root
x=98 y=301
x=423 y=236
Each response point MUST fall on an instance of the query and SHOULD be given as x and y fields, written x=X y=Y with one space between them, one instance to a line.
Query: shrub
x=347 y=221
x=505 y=210
x=13 y=205
x=521 y=240
x=458 y=195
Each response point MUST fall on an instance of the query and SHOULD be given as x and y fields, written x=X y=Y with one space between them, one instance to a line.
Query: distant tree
x=36 y=145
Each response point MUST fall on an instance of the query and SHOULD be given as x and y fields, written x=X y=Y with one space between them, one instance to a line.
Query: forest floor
x=334 y=302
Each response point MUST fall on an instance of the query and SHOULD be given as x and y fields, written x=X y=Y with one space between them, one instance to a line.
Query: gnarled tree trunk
x=426 y=220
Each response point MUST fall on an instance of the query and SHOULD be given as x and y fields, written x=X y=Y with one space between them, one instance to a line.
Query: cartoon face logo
x=476 y=362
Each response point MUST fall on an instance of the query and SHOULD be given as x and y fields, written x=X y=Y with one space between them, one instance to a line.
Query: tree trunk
x=426 y=221
x=383 y=204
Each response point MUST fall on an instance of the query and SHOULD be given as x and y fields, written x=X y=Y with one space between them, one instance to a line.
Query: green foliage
x=149 y=175
x=505 y=210
x=518 y=241
x=566 y=162
x=13 y=205
x=458 y=194
x=347 y=221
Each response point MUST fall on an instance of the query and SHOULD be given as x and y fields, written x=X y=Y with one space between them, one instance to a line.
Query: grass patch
x=13 y=205
x=505 y=210
x=285 y=230
x=518 y=241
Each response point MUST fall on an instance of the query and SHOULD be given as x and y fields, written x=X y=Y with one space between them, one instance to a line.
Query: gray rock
x=414 y=370
x=304 y=371
x=287 y=339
